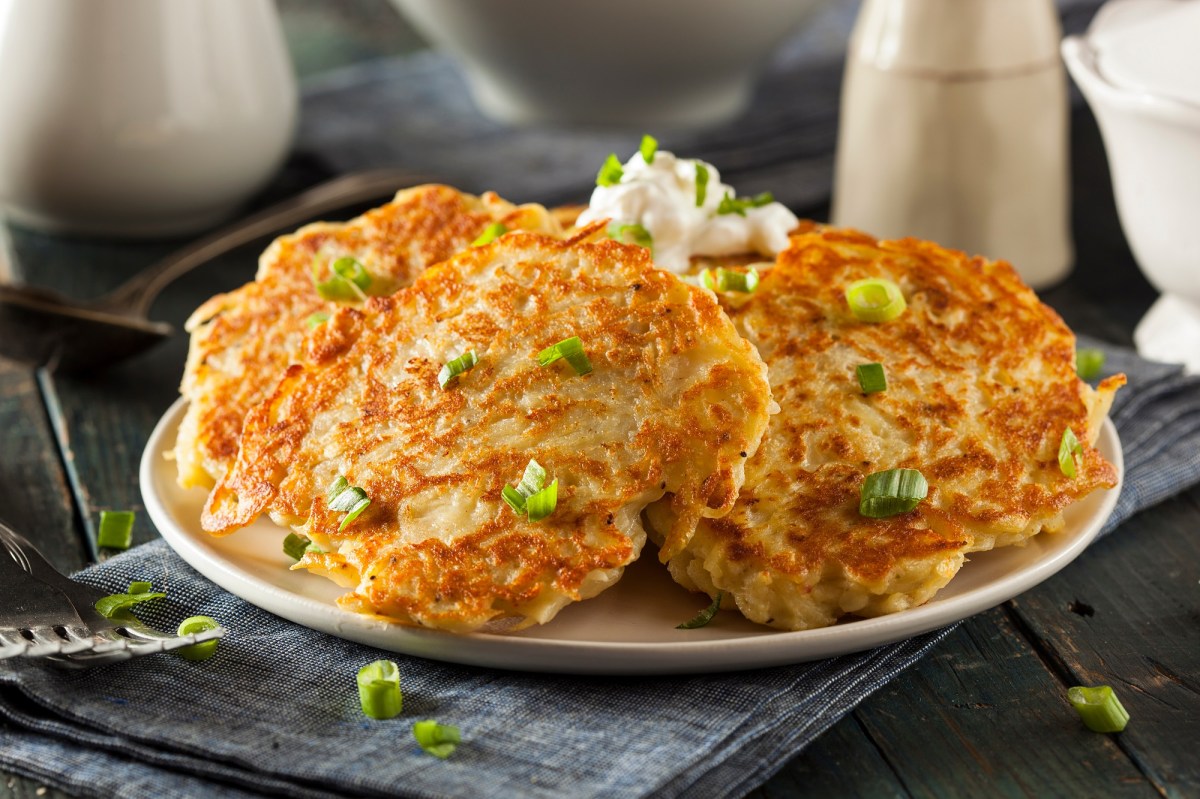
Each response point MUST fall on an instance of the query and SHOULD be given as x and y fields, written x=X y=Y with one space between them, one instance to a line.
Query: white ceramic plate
x=628 y=629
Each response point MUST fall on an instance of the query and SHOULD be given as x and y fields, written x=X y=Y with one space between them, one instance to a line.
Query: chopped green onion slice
x=295 y=545
x=703 y=617
x=456 y=366
x=1088 y=363
x=532 y=480
x=530 y=498
x=649 y=148
x=490 y=234
x=542 y=504
x=379 y=689
x=339 y=485
x=111 y=606
x=739 y=205
x=116 y=529
x=439 y=740
x=631 y=234
x=722 y=279
x=514 y=498
x=1099 y=708
x=317 y=319
x=1069 y=452
x=875 y=300
x=348 y=499
x=892 y=492
x=350 y=269
x=871 y=377
x=350 y=280
x=701 y=184
x=139 y=587
x=198 y=624
x=611 y=171
x=569 y=348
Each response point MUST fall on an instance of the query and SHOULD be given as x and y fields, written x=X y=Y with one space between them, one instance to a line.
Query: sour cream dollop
x=661 y=197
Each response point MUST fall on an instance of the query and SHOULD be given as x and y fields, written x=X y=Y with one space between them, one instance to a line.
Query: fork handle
x=137 y=294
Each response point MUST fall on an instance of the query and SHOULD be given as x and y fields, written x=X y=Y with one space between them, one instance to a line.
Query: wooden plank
x=101 y=422
x=843 y=762
x=984 y=716
x=34 y=497
x=1127 y=614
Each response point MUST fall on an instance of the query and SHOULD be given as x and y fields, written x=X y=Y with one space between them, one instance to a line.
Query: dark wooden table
x=984 y=715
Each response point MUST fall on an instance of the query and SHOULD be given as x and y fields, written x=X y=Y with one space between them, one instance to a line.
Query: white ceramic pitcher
x=954 y=128
x=140 y=117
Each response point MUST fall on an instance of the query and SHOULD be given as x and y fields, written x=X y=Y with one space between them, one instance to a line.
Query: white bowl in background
x=660 y=64
x=1139 y=68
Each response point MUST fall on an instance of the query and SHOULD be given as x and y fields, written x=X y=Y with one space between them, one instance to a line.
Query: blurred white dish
x=1139 y=68
x=628 y=629
x=140 y=117
x=659 y=64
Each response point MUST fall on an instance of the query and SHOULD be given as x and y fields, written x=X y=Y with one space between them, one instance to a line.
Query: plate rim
x=776 y=648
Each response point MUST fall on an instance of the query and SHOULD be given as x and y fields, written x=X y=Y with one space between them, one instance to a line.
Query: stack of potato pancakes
x=476 y=413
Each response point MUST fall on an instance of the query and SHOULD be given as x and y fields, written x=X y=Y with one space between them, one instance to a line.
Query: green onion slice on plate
x=456 y=366
x=439 y=740
x=1099 y=708
x=198 y=624
x=871 y=377
x=611 y=171
x=532 y=497
x=701 y=184
x=703 y=617
x=1069 y=453
x=892 y=492
x=875 y=300
x=1089 y=363
x=572 y=350
x=490 y=234
x=295 y=545
x=116 y=529
x=631 y=234
x=345 y=498
x=350 y=280
x=379 y=689
x=722 y=279
x=739 y=205
x=649 y=148
x=316 y=319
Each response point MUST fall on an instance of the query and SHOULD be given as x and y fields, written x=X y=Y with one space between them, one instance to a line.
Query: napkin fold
x=276 y=710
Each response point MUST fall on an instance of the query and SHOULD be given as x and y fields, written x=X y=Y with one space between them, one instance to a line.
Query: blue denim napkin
x=276 y=710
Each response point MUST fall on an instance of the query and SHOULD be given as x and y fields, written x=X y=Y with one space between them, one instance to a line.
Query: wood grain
x=984 y=716
x=34 y=497
x=844 y=761
x=1128 y=615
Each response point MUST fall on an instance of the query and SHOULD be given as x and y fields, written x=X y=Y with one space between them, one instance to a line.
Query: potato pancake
x=243 y=341
x=981 y=384
x=675 y=403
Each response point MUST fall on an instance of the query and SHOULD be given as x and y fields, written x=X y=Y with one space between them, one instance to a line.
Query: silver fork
x=45 y=614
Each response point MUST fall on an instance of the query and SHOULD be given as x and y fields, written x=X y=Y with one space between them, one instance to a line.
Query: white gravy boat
x=1139 y=68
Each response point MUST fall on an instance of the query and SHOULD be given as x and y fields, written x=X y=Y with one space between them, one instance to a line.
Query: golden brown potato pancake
x=675 y=404
x=243 y=340
x=981 y=384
